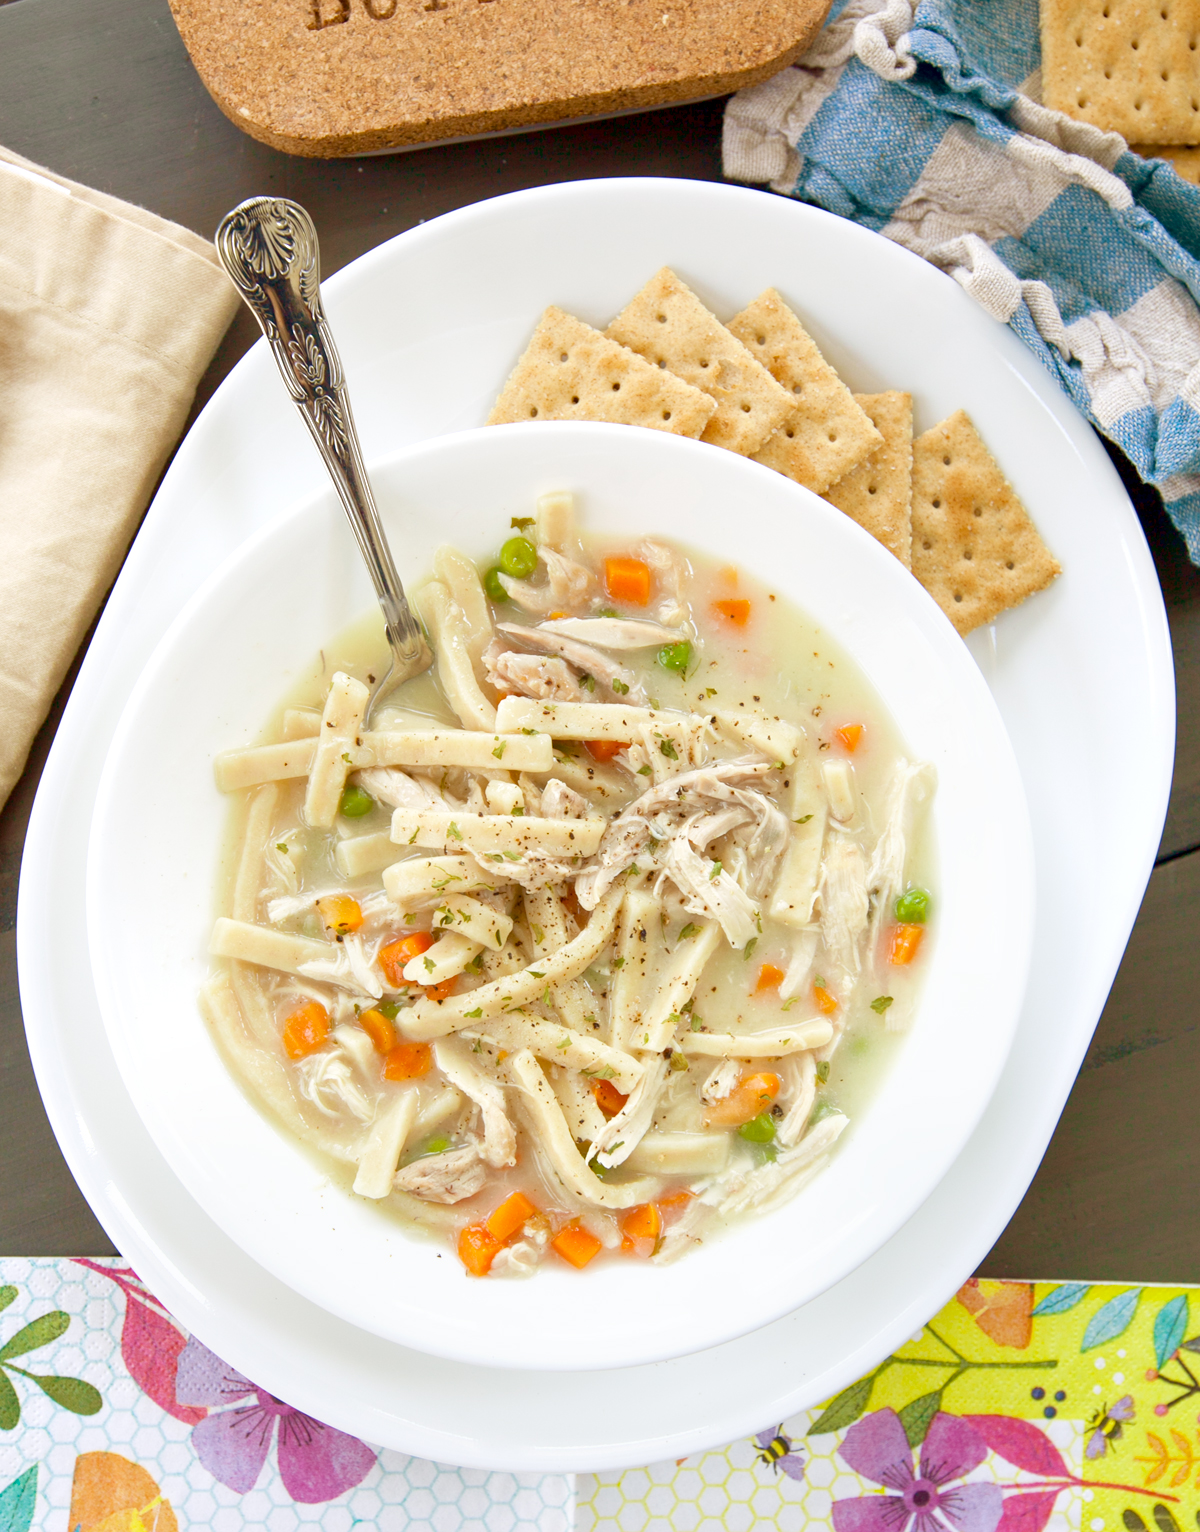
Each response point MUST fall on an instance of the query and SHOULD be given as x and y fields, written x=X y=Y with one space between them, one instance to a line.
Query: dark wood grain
x=1111 y=1200
x=102 y=90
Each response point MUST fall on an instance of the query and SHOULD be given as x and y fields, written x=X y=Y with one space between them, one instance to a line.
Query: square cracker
x=877 y=493
x=974 y=548
x=667 y=324
x=571 y=372
x=1129 y=66
x=826 y=433
x=1185 y=161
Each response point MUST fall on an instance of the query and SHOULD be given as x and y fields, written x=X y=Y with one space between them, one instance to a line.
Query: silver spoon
x=268 y=245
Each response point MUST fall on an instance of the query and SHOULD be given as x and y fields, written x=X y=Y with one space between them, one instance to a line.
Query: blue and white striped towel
x=922 y=121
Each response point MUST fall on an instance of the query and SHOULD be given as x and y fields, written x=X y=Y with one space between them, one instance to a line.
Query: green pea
x=355 y=803
x=491 y=584
x=675 y=657
x=518 y=558
x=759 y=1130
x=912 y=907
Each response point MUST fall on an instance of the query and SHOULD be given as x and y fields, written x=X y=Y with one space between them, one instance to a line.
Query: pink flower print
x=925 y=1500
x=316 y=1463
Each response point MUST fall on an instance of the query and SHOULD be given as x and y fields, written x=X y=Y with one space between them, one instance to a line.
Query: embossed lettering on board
x=380 y=12
x=341 y=13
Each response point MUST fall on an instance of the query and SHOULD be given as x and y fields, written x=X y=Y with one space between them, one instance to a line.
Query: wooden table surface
x=102 y=91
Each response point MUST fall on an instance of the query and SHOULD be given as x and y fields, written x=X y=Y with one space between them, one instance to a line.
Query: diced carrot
x=379 y=1029
x=510 y=1217
x=753 y=1094
x=340 y=913
x=627 y=579
x=554 y=615
x=393 y=957
x=407 y=1061
x=738 y=612
x=642 y=1222
x=575 y=1244
x=478 y=1248
x=628 y=1246
x=826 y=1003
x=675 y=1203
x=849 y=737
x=608 y=1098
x=603 y=749
x=769 y=977
x=305 y=1030
x=906 y=941
x=442 y=991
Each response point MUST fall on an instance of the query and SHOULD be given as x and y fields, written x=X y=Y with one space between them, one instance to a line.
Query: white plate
x=159 y=821
x=427 y=325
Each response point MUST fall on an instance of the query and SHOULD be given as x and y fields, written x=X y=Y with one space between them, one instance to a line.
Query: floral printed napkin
x=114 y=1419
x=1020 y=1407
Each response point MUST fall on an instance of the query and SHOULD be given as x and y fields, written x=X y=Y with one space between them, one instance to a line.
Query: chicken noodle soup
x=586 y=945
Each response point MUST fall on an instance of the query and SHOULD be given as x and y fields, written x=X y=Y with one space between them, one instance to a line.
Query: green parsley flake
x=620 y=688
x=880 y=1004
x=749 y=948
x=519 y=523
x=453 y=832
x=528 y=731
x=823 y=1072
x=715 y=873
x=587 y=682
x=643 y=771
x=475 y=1014
x=689 y=931
x=667 y=748
x=498 y=752
x=803 y=820
x=281 y=846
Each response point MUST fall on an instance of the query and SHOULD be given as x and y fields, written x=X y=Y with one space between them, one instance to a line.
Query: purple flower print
x=316 y=1463
x=924 y=1500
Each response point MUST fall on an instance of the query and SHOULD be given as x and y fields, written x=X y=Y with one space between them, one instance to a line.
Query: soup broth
x=599 y=937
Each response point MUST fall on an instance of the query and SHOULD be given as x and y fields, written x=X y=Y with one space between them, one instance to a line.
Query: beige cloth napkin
x=108 y=318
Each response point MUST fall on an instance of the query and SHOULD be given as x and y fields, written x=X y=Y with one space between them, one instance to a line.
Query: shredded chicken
x=612 y=680
x=352 y=967
x=326 y=1079
x=531 y=675
x=568 y=583
x=721 y=1081
x=611 y=632
x=449 y=1177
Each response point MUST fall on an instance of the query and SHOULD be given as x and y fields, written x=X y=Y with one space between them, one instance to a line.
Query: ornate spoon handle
x=268 y=245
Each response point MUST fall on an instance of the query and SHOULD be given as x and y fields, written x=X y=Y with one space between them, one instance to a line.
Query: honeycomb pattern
x=399 y=1492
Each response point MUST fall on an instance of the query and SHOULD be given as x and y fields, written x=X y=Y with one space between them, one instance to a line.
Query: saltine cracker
x=877 y=493
x=1128 y=66
x=826 y=432
x=571 y=372
x=974 y=548
x=668 y=325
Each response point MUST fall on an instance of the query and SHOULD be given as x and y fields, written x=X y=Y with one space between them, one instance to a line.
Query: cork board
x=328 y=78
